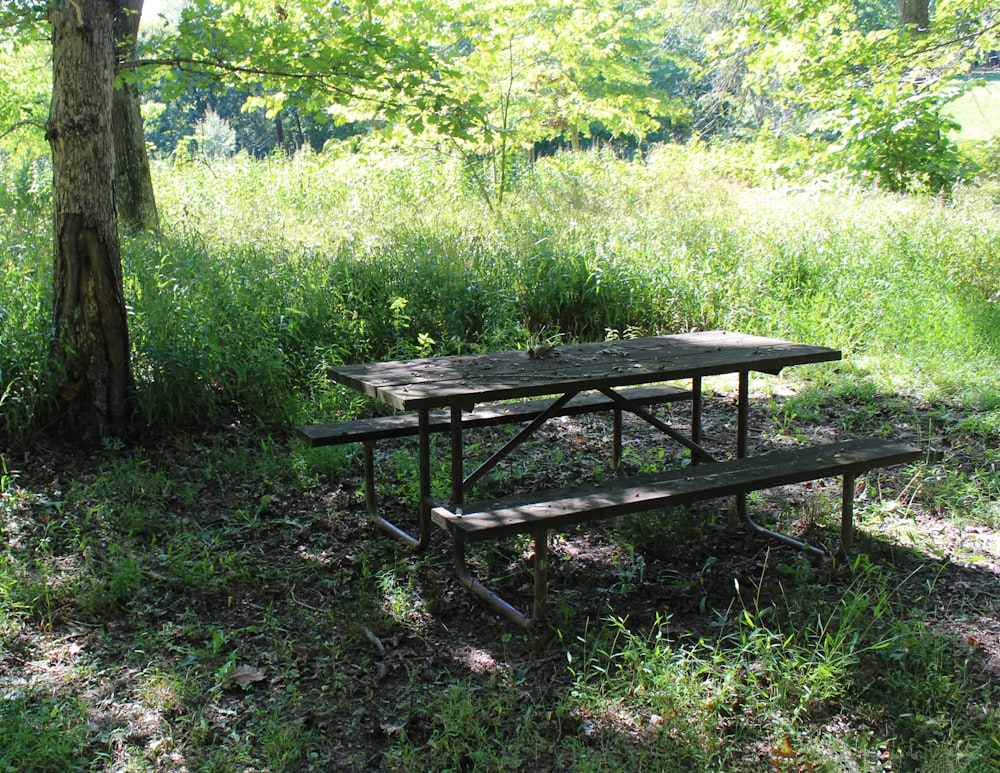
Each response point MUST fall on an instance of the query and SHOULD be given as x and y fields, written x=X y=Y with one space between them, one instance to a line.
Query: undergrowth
x=269 y=271
x=212 y=599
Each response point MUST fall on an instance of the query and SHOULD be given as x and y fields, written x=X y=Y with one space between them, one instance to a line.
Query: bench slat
x=404 y=425
x=558 y=508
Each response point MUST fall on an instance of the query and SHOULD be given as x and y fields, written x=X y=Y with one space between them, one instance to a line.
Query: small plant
x=40 y=733
x=403 y=602
x=214 y=137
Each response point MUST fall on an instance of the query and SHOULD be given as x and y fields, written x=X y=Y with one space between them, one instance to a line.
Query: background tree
x=136 y=201
x=915 y=14
x=310 y=56
x=534 y=72
x=870 y=100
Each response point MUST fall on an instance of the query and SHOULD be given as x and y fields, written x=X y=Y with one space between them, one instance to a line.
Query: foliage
x=169 y=117
x=496 y=83
x=739 y=680
x=43 y=733
x=874 y=98
x=494 y=80
x=24 y=91
x=538 y=72
x=309 y=55
x=214 y=137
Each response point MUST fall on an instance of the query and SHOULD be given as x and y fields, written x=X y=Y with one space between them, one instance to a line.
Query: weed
x=41 y=733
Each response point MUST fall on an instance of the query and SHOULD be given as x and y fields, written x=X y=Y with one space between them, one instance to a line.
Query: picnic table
x=444 y=392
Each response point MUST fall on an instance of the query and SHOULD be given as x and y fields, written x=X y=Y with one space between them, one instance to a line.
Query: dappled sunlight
x=478 y=661
x=299 y=628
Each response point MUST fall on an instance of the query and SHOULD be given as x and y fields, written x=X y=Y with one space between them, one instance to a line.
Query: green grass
x=978 y=110
x=769 y=678
x=135 y=582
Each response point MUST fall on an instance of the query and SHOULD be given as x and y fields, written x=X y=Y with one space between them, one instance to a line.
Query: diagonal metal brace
x=526 y=432
x=627 y=405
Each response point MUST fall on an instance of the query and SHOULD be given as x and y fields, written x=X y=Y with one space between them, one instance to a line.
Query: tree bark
x=915 y=14
x=279 y=133
x=133 y=180
x=90 y=348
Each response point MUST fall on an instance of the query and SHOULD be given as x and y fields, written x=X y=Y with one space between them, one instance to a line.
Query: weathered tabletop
x=469 y=379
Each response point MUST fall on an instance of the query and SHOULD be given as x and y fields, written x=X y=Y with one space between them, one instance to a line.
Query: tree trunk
x=90 y=348
x=915 y=14
x=279 y=133
x=133 y=180
x=574 y=139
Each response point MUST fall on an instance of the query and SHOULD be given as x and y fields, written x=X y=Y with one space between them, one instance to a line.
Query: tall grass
x=269 y=270
x=779 y=672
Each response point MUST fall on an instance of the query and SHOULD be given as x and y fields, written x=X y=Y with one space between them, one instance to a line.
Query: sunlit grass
x=978 y=110
x=269 y=271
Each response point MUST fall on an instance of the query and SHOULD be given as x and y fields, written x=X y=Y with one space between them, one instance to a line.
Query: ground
x=209 y=596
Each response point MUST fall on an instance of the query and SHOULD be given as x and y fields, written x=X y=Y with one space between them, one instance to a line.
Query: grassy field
x=978 y=111
x=208 y=595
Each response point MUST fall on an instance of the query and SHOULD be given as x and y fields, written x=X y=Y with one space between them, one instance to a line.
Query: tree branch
x=320 y=80
x=21 y=125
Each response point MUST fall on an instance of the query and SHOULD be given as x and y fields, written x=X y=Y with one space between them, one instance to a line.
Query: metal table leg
x=742 y=436
x=457 y=474
x=424 y=466
x=498 y=603
x=696 y=408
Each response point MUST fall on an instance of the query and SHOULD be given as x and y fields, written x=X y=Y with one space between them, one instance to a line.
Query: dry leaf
x=244 y=676
x=785 y=749
x=391 y=728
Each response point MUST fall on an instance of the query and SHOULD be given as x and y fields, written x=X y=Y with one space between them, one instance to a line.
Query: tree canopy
x=845 y=80
x=871 y=97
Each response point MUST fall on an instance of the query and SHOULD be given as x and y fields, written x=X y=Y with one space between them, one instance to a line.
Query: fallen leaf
x=392 y=728
x=244 y=676
x=784 y=750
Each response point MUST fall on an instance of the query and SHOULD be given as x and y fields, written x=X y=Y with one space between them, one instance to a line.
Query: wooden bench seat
x=540 y=512
x=405 y=424
x=369 y=431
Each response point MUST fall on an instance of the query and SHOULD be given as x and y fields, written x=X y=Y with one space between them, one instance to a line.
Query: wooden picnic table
x=442 y=393
x=462 y=381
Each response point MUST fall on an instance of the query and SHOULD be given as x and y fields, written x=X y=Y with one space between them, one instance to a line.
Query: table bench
x=369 y=431
x=539 y=512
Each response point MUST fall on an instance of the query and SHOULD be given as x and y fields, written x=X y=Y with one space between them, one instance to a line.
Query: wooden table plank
x=440 y=381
